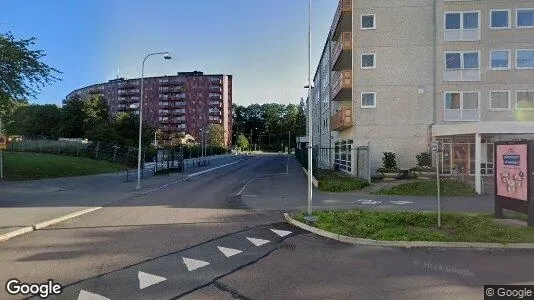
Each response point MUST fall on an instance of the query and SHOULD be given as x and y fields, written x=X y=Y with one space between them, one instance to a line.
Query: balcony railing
x=344 y=6
x=342 y=47
x=341 y=81
x=216 y=81
x=215 y=89
x=341 y=120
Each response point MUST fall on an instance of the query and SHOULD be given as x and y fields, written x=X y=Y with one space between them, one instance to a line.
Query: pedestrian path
x=179 y=273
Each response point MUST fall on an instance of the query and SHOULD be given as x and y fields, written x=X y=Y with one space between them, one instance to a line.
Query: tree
x=242 y=142
x=95 y=111
x=33 y=120
x=73 y=118
x=7 y=112
x=216 y=135
x=23 y=72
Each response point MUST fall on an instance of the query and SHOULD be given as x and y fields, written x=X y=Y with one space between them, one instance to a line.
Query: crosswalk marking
x=228 y=251
x=85 y=295
x=281 y=233
x=193 y=264
x=257 y=242
x=146 y=279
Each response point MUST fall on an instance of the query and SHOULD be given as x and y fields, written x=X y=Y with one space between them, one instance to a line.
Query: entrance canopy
x=492 y=127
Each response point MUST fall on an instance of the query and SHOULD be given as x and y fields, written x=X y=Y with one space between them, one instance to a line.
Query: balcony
x=341 y=120
x=178 y=82
x=216 y=81
x=164 y=82
x=215 y=104
x=215 y=113
x=341 y=86
x=216 y=89
x=342 y=52
x=342 y=18
x=215 y=96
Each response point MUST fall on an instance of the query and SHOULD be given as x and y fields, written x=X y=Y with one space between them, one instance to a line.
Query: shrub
x=389 y=163
x=342 y=185
x=424 y=159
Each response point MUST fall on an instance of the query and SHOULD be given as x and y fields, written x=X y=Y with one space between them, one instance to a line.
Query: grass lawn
x=419 y=226
x=26 y=165
x=334 y=181
x=448 y=187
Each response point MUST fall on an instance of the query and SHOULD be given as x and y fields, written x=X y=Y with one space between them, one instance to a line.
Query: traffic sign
x=3 y=142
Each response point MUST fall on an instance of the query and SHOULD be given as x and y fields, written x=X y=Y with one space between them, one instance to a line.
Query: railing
x=344 y=45
x=343 y=6
x=341 y=120
x=216 y=81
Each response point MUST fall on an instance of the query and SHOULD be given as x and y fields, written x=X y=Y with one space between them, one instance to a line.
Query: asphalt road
x=221 y=236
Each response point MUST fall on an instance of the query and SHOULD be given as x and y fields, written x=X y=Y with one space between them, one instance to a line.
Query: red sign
x=511 y=167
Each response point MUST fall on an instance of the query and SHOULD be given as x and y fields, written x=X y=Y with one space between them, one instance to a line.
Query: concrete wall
x=402 y=80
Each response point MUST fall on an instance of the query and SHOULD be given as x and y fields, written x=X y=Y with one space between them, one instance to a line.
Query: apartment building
x=407 y=72
x=184 y=103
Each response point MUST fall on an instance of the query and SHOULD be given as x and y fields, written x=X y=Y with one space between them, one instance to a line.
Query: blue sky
x=262 y=43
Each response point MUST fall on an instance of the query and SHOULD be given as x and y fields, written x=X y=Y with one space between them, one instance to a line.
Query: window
x=461 y=106
x=500 y=19
x=524 y=100
x=500 y=59
x=368 y=100
x=499 y=100
x=462 y=26
x=368 y=22
x=462 y=60
x=368 y=61
x=525 y=18
x=525 y=59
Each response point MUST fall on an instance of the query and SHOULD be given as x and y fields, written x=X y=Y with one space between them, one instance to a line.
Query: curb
x=23 y=230
x=314 y=181
x=404 y=244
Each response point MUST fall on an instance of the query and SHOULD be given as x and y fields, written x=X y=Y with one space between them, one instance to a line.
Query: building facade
x=184 y=103
x=407 y=72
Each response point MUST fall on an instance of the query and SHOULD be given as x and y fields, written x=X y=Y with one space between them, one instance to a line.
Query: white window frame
x=517 y=18
x=519 y=91
x=509 y=92
x=509 y=19
x=509 y=60
x=374 y=61
x=367 y=106
x=461 y=29
x=361 y=22
x=461 y=59
x=517 y=59
x=461 y=105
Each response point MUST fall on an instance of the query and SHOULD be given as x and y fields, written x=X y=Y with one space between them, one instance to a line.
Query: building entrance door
x=461 y=158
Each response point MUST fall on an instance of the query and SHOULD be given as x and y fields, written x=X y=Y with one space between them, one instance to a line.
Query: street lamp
x=309 y=87
x=166 y=55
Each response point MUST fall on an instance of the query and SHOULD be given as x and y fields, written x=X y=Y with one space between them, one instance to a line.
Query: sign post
x=513 y=186
x=435 y=149
x=3 y=145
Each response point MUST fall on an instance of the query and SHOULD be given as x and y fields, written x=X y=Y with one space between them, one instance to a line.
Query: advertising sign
x=512 y=174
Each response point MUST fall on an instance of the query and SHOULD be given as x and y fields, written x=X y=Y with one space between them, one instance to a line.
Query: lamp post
x=309 y=86
x=166 y=56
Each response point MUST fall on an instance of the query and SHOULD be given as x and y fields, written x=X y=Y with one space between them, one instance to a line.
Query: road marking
x=249 y=195
x=85 y=295
x=400 y=202
x=367 y=201
x=228 y=251
x=281 y=233
x=146 y=279
x=258 y=242
x=245 y=186
x=193 y=264
x=65 y=217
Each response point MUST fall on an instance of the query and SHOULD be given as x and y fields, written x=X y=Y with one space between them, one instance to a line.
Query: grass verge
x=334 y=181
x=448 y=187
x=25 y=165
x=419 y=226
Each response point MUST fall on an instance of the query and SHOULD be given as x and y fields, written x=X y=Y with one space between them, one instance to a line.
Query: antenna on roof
x=118 y=73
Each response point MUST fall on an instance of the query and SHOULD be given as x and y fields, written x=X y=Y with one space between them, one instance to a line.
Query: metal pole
x=140 y=127
x=438 y=186
x=1 y=164
x=289 y=144
x=309 y=115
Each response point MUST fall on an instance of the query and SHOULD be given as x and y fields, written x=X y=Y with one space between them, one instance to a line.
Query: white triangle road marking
x=257 y=242
x=193 y=264
x=85 y=295
x=281 y=233
x=146 y=279
x=228 y=251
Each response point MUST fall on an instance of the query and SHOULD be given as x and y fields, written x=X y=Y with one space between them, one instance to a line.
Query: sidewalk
x=27 y=203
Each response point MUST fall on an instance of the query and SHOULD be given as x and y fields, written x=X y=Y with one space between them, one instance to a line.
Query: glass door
x=460 y=158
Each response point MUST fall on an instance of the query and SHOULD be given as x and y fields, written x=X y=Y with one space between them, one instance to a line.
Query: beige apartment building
x=407 y=72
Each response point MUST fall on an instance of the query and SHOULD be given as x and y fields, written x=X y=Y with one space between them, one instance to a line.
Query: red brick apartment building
x=182 y=103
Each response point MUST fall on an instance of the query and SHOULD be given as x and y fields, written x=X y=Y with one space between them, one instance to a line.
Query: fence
x=338 y=158
x=96 y=150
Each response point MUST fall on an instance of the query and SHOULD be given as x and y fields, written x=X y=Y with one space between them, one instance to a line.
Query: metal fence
x=338 y=158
